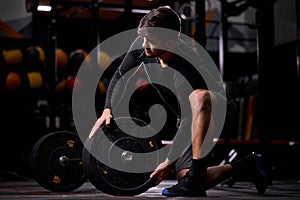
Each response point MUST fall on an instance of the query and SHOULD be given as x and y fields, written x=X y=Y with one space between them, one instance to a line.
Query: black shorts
x=230 y=126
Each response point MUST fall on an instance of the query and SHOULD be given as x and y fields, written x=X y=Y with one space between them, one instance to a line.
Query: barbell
x=62 y=162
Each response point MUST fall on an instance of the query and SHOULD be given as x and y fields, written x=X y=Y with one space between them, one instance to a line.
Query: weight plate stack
x=56 y=160
x=121 y=152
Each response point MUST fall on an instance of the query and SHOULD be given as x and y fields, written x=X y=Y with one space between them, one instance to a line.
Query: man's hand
x=162 y=171
x=104 y=119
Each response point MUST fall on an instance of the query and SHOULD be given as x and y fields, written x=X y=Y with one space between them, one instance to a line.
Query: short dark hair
x=161 y=17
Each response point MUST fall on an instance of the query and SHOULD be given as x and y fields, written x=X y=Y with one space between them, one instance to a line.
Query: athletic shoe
x=259 y=177
x=189 y=185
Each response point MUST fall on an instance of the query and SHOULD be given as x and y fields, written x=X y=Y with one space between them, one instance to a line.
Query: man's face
x=153 y=46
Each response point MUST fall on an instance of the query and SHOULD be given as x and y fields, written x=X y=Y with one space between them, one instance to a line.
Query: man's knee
x=200 y=100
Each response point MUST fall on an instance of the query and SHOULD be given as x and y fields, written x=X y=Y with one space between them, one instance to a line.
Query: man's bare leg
x=200 y=101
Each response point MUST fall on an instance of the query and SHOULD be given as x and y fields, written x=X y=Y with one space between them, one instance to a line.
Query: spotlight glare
x=44 y=8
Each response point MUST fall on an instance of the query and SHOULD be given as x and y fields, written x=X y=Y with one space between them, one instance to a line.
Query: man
x=196 y=102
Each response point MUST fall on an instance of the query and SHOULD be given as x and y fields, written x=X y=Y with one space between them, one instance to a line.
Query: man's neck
x=165 y=59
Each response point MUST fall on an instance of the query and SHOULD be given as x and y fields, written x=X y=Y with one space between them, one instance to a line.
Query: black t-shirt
x=181 y=77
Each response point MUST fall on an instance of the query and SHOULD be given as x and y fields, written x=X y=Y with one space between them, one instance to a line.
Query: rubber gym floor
x=29 y=189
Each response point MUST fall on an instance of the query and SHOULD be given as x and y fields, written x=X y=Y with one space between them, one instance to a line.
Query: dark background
x=270 y=73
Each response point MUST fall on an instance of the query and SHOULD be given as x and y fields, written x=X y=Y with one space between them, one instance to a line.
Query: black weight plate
x=49 y=172
x=113 y=181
